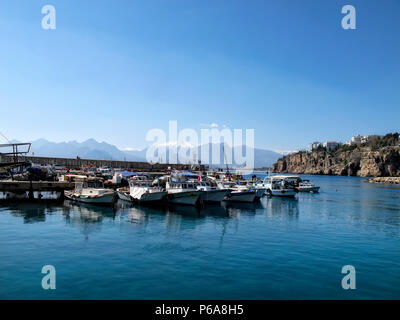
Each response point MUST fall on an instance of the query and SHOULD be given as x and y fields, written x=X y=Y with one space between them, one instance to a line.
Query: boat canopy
x=283 y=177
x=188 y=174
x=129 y=173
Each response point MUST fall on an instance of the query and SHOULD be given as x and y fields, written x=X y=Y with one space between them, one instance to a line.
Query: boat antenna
x=4 y=137
x=226 y=162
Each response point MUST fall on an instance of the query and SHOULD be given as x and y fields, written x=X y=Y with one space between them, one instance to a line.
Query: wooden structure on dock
x=9 y=157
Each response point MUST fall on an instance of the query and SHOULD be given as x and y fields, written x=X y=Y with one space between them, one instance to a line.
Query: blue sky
x=112 y=70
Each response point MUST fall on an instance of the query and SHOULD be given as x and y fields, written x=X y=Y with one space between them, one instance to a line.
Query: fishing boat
x=279 y=186
x=307 y=186
x=239 y=193
x=210 y=192
x=141 y=190
x=260 y=192
x=181 y=191
x=242 y=196
x=91 y=192
x=124 y=194
x=248 y=185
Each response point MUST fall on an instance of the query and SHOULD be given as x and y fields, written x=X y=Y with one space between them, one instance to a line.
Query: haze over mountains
x=92 y=149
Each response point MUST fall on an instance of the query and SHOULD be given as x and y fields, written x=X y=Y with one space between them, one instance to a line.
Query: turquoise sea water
x=277 y=249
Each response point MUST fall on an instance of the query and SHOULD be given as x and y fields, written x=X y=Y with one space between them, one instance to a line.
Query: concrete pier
x=20 y=186
x=33 y=190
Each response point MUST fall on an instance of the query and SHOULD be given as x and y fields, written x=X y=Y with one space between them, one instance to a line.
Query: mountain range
x=92 y=149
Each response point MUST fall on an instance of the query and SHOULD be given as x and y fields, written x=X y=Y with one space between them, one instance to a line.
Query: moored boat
x=181 y=191
x=242 y=196
x=307 y=186
x=279 y=186
x=141 y=190
x=210 y=193
x=123 y=194
x=91 y=195
x=240 y=193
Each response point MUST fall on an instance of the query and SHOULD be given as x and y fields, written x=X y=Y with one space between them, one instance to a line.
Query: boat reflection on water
x=175 y=217
x=31 y=212
x=282 y=208
x=216 y=210
x=89 y=213
x=199 y=212
x=138 y=214
x=183 y=210
x=235 y=209
x=88 y=218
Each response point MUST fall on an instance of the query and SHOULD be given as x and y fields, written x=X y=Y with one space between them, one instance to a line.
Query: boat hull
x=213 y=196
x=124 y=196
x=106 y=199
x=285 y=193
x=191 y=198
x=308 y=189
x=142 y=195
x=260 y=192
x=152 y=197
x=242 y=196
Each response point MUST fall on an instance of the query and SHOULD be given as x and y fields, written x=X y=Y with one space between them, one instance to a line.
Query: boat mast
x=226 y=162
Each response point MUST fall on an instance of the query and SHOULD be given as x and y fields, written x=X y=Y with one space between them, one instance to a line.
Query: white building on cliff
x=357 y=140
x=329 y=145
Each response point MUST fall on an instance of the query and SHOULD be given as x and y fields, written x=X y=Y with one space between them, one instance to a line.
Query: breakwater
x=77 y=163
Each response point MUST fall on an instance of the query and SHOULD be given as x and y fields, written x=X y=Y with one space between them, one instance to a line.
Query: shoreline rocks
x=362 y=162
x=386 y=180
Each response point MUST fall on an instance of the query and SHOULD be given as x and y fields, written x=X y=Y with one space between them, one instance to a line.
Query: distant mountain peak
x=92 y=149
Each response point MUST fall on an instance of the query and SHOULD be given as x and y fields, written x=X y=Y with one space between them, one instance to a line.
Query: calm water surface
x=276 y=249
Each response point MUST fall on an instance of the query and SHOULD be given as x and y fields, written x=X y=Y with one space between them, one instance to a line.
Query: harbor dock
x=33 y=190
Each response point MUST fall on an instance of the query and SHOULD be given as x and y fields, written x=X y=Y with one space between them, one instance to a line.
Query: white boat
x=240 y=193
x=248 y=185
x=242 y=196
x=260 y=192
x=141 y=190
x=91 y=195
x=210 y=192
x=307 y=186
x=182 y=192
x=279 y=186
x=123 y=194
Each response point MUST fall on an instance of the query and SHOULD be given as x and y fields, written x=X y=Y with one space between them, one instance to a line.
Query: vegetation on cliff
x=376 y=158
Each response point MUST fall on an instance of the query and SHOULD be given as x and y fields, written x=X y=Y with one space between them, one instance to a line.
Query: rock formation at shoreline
x=386 y=180
x=365 y=161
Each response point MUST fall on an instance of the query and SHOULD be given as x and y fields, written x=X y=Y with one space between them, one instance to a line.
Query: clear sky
x=112 y=70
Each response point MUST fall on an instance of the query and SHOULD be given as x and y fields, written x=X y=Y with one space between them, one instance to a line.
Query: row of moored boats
x=188 y=188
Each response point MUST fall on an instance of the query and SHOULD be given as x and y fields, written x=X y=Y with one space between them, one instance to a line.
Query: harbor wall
x=78 y=163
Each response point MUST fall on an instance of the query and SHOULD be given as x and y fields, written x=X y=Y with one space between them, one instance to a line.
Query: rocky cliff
x=362 y=161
